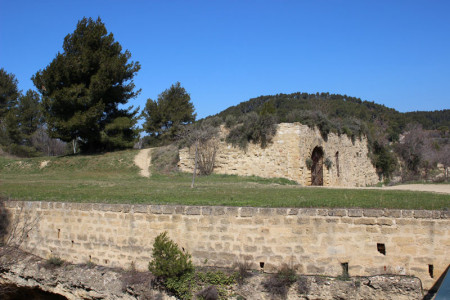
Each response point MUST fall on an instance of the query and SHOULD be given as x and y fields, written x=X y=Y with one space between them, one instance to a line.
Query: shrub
x=309 y=163
x=280 y=282
x=258 y=129
x=168 y=260
x=54 y=261
x=230 y=121
x=328 y=163
x=242 y=271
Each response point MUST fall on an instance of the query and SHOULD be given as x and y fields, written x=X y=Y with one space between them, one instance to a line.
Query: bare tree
x=44 y=143
x=14 y=230
x=203 y=138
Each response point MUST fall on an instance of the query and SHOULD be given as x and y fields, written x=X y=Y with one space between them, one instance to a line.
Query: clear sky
x=395 y=53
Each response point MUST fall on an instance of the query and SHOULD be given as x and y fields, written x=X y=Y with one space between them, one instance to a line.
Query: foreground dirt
x=143 y=160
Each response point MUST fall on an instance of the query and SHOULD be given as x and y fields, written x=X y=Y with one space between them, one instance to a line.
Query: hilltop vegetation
x=254 y=120
x=339 y=113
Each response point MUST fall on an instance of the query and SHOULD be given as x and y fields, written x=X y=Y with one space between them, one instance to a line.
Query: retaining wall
x=315 y=241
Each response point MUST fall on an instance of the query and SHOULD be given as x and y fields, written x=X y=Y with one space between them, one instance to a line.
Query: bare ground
x=437 y=188
x=434 y=188
x=143 y=160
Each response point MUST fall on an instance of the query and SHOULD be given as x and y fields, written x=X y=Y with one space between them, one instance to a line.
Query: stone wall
x=286 y=157
x=315 y=241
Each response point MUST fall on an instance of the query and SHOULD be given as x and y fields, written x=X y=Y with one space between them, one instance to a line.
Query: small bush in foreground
x=280 y=282
x=168 y=260
x=54 y=261
x=242 y=272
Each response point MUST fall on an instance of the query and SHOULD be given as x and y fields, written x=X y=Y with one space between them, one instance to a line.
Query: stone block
x=218 y=211
x=232 y=211
x=423 y=214
x=393 y=213
x=282 y=211
x=207 y=210
x=407 y=213
x=293 y=211
x=307 y=212
x=168 y=209
x=140 y=208
x=248 y=212
x=373 y=213
x=385 y=221
x=355 y=212
x=180 y=210
x=445 y=214
x=265 y=211
x=156 y=209
x=322 y=212
x=365 y=221
x=337 y=212
x=436 y=214
x=193 y=210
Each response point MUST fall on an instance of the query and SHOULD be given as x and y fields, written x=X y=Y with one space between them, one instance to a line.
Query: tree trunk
x=195 y=164
x=74 y=144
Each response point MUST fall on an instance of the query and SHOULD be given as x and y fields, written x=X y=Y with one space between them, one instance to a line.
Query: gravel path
x=143 y=160
x=437 y=188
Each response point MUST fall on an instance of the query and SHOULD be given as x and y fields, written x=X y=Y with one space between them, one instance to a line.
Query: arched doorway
x=317 y=166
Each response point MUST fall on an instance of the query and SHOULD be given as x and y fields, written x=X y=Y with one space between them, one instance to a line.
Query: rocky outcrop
x=79 y=281
x=95 y=282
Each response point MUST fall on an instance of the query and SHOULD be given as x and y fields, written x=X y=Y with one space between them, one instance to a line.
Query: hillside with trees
x=388 y=131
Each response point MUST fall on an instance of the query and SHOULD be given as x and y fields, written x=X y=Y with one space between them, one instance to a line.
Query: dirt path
x=434 y=188
x=437 y=188
x=143 y=160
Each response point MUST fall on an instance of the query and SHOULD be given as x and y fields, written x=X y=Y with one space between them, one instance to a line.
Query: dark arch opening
x=337 y=163
x=317 y=166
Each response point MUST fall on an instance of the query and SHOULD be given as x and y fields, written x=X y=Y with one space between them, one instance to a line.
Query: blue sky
x=395 y=53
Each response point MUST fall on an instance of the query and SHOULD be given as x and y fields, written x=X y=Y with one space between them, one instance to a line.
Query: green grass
x=113 y=178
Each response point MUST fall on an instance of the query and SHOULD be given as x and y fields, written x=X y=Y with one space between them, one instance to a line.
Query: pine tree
x=83 y=87
x=173 y=109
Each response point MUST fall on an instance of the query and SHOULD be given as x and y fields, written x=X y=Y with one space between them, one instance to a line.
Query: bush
x=280 y=282
x=242 y=271
x=182 y=286
x=54 y=261
x=258 y=129
x=168 y=260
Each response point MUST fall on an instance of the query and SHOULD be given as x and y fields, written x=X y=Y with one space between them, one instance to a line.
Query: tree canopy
x=83 y=87
x=173 y=109
x=9 y=92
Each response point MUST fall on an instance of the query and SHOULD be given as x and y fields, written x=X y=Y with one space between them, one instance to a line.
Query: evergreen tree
x=29 y=115
x=9 y=92
x=83 y=87
x=173 y=109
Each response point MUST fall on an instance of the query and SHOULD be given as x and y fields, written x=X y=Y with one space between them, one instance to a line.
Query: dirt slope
x=143 y=160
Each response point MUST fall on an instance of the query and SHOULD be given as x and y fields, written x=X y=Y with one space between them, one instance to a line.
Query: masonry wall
x=315 y=241
x=286 y=157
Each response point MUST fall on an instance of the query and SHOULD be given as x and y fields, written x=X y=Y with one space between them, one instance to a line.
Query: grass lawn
x=113 y=178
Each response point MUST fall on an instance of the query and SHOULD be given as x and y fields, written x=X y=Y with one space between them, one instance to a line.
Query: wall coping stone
x=243 y=212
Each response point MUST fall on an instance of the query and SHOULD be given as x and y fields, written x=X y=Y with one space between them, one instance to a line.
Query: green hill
x=340 y=113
